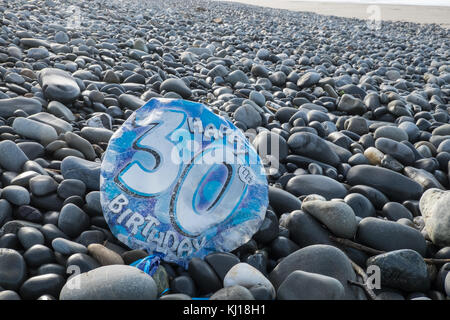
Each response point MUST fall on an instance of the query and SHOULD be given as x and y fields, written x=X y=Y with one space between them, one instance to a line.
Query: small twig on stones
x=355 y=245
x=372 y=251
x=369 y=292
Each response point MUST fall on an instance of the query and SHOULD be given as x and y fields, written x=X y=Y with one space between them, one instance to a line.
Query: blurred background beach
x=418 y=11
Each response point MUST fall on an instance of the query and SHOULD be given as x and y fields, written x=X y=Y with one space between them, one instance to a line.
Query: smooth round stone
x=395 y=211
x=337 y=216
x=443 y=253
x=434 y=206
x=51 y=231
x=322 y=259
x=5 y=211
x=176 y=85
x=93 y=204
x=133 y=255
x=72 y=220
x=61 y=37
x=82 y=261
x=248 y=115
x=247 y=276
x=67 y=247
x=361 y=206
x=270 y=143
x=388 y=236
x=268 y=229
x=58 y=85
x=282 y=247
x=130 y=101
x=60 y=110
x=402 y=269
x=282 y=201
x=115 y=282
x=16 y=195
x=308 y=79
x=24 y=178
x=29 y=236
x=221 y=262
x=10 y=105
x=232 y=293
x=62 y=153
x=316 y=184
x=42 y=185
x=13 y=269
x=237 y=76
x=86 y=171
x=204 y=276
x=376 y=197
x=422 y=177
x=397 y=150
x=32 y=150
x=96 y=135
x=13 y=158
x=391 y=132
x=411 y=130
x=104 y=255
x=396 y=186
x=305 y=230
x=92 y=236
x=37 y=53
x=38 y=255
x=300 y=285
x=183 y=284
x=10 y=241
x=52 y=268
x=9 y=295
x=81 y=144
x=37 y=286
x=35 y=130
x=312 y=146
x=71 y=187
x=58 y=124
x=442 y=130
x=351 y=105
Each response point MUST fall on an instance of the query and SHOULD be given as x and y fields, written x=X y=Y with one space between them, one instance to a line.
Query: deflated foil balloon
x=179 y=181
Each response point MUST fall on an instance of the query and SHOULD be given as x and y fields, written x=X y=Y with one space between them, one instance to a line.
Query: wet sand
x=417 y=14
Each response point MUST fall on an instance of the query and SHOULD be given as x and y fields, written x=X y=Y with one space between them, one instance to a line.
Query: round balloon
x=180 y=181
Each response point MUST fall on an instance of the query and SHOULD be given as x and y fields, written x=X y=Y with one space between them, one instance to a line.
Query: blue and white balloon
x=179 y=181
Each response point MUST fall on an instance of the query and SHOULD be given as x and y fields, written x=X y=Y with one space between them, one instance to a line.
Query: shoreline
x=388 y=12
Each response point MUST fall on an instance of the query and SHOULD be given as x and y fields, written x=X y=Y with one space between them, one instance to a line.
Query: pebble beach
x=359 y=112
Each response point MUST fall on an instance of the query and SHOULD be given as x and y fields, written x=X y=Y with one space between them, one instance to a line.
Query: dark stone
x=322 y=259
x=282 y=201
x=376 y=197
x=83 y=261
x=13 y=269
x=315 y=184
x=361 y=206
x=38 y=255
x=221 y=262
x=204 y=276
x=393 y=184
x=183 y=284
x=37 y=286
x=281 y=247
x=305 y=230
x=402 y=269
x=388 y=236
x=268 y=229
